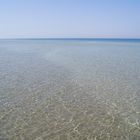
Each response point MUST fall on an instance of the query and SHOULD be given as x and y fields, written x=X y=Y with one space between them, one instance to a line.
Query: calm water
x=70 y=89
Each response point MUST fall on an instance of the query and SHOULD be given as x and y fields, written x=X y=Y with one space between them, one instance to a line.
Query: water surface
x=71 y=89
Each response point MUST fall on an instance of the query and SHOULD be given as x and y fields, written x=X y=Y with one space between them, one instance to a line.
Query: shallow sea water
x=69 y=90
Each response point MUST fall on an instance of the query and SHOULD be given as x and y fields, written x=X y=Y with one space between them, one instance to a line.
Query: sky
x=69 y=18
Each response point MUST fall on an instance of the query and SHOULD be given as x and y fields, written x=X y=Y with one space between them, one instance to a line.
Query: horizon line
x=67 y=38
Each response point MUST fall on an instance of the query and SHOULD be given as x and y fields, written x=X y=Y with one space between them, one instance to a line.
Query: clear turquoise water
x=69 y=89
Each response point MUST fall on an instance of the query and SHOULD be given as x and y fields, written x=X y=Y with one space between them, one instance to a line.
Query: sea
x=69 y=89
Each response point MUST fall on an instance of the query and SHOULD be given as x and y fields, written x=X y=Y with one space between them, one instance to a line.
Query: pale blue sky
x=69 y=18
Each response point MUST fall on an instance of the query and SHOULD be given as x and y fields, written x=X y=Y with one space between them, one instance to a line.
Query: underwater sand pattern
x=69 y=90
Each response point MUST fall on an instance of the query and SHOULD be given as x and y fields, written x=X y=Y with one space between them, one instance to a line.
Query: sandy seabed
x=69 y=90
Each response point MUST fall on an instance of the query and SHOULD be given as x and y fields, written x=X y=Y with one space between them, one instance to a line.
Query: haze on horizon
x=69 y=18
